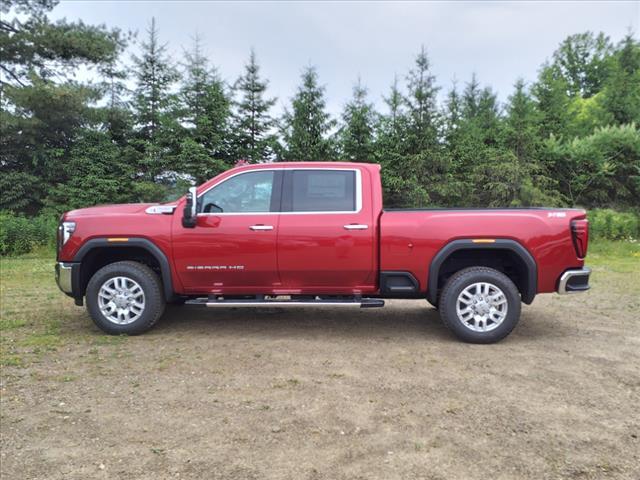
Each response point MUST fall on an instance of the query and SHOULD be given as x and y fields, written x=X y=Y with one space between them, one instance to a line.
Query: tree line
x=570 y=138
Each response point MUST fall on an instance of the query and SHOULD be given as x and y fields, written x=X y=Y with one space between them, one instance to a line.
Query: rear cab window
x=321 y=191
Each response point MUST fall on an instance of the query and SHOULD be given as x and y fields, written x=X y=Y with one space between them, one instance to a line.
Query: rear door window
x=323 y=191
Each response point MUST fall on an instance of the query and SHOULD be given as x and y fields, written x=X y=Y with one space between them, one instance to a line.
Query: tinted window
x=244 y=193
x=324 y=191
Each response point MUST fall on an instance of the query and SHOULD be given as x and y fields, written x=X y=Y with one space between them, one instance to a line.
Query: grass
x=36 y=318
x=615 y=256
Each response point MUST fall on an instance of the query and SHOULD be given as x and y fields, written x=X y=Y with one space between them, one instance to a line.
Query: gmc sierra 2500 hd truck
x=305 y=234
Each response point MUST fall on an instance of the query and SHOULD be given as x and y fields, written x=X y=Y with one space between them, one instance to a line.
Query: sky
x=499 y=41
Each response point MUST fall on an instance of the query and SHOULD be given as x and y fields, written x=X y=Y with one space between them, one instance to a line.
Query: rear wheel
x=125 y=298
x=480 y=305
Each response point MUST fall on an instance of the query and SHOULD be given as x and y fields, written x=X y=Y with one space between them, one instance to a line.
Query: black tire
x=466 y=277
x=151 y=286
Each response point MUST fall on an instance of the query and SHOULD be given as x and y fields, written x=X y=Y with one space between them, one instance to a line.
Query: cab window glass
x=244 y=193
x=324 y=191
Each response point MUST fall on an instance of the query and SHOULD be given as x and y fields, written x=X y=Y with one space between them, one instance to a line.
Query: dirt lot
x=321 y=394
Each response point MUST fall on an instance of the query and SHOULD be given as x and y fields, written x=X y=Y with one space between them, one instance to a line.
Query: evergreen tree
x=154 y=104
x=395 y=103
x=521 y=130
x=552 y=101
x=357 y=133
x=471 y=98
x=253 y=139
x=307 y=126
x=205 y=116
x=401 y=180
x=457 y=148
x=421 y=102
x=41 y=107
x=453 y=113
x=522 y=137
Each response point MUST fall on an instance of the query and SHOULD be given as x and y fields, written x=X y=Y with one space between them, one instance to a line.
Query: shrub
x=612 y=225
x=20 y=234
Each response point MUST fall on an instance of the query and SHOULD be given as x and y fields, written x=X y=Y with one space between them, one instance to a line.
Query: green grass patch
x=11 y=323
x=615 y=256
x=41 y=341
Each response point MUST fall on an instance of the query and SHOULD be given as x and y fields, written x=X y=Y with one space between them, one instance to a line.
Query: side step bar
x=213 y=302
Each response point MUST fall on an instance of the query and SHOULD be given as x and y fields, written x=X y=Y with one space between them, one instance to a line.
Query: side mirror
x=189 y=213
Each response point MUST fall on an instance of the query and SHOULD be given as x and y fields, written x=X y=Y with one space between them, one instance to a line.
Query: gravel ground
x=326 y=394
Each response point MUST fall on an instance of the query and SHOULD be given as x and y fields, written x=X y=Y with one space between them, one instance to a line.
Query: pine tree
x=402 y=171
x=395 y=103
x=471 y=98
x=521 y=130
x=552 y=101
x=205 y=115
x=154 y=103
x=454 y=144
x=307 y=126
x=42 y=106
x=453 y=113
x=421 y=102
x=253 y=139
x=357 y=134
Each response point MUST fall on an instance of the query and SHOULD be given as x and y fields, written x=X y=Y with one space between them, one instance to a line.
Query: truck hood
x=110 y=210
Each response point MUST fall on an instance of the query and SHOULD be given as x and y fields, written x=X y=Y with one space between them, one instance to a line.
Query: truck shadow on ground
x=406 y=320
x=420 y=320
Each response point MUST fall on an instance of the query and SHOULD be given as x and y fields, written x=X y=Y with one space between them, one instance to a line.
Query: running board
x=361 y=303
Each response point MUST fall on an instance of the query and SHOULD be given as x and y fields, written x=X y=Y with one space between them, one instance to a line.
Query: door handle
x=356 y=226
x=261 y=227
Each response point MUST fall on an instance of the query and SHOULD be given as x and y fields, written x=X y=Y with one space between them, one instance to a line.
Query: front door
x=326 y=234
x=232 y=249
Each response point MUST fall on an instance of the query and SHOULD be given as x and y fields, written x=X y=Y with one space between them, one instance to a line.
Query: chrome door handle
x=355 y=226
x=261 y=227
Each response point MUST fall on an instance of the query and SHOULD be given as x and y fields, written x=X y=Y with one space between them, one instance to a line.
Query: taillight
x=580 y=234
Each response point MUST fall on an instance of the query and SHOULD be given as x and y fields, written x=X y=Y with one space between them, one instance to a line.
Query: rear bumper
x=574 y=281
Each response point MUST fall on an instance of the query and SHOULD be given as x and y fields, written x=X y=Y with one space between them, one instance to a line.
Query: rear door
x=326 y=234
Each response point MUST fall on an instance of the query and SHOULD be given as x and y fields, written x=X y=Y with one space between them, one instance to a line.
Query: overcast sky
x=500 y=41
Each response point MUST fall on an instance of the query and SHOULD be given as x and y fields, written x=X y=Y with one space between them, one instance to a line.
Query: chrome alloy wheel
x=121 y=300
x=481 y=307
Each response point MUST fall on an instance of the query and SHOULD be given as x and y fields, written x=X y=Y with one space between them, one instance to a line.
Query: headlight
x=64 y=232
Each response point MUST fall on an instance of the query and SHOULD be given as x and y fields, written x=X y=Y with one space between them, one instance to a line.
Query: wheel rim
x=482 y=307
x=121 y=300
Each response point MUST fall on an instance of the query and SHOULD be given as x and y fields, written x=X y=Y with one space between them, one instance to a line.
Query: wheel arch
x=527 y=285
x=120 y=251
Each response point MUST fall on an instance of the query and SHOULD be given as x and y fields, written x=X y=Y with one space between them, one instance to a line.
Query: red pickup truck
x=305 y=234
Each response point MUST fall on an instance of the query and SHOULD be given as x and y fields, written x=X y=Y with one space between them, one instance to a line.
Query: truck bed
x=412 y=237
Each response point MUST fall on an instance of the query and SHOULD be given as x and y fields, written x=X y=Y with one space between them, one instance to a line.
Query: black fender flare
x=148 y=245
x=529 y=292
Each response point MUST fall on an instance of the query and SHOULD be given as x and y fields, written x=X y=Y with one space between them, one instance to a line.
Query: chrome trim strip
x=63 y=276
x=341 y=212
x=569 y=274
x=268 y=303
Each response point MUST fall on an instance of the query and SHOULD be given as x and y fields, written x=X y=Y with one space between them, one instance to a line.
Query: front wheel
x=480 y=305
x=125 y=298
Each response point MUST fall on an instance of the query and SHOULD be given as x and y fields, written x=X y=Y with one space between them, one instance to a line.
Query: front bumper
x=574 y=281
x=64 y=276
